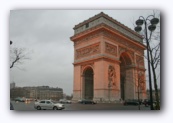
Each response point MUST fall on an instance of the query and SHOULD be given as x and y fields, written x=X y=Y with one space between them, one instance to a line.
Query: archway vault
x=126 y=59
x=126 y=77
x=88 y=83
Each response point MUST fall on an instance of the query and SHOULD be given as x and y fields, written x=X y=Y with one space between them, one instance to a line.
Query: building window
x=87 y=25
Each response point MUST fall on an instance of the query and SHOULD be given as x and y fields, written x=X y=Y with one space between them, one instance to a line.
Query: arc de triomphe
x=108 y=61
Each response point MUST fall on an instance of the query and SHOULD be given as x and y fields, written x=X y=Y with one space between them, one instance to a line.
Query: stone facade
x=108 y=57
x=39 y=92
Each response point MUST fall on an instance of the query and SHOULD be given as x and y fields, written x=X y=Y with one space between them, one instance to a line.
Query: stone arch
x=126 y=82
x=126 y=57
x=88 y=83
x=85 y=67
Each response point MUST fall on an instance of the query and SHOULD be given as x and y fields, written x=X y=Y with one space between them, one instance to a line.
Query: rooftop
x=101 y=14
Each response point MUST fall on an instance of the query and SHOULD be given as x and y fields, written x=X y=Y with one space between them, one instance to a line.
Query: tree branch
x=17 y=55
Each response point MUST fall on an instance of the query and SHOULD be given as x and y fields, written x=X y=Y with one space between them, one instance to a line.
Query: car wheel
x=55 y=108
x=38 y=108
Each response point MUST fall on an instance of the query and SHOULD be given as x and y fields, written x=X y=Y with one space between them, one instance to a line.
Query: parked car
x=85 y=101
x=140 y=101
x=65 y=101
x=48 y=104
x=131 y=102
x=11 y=106
x=148 y=102
x=19 y=99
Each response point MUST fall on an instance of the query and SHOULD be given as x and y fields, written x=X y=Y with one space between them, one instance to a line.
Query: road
x=21 y=106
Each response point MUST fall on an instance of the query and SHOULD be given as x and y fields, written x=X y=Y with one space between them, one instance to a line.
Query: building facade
x=40 y=92
x=108 y=61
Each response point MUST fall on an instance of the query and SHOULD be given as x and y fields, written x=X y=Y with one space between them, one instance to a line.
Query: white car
x=48 y=104
x=65 y=101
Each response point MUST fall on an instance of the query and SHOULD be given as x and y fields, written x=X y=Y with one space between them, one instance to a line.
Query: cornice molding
x=91 y=60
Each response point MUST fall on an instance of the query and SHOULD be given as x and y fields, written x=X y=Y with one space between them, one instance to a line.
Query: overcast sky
x=46 y=34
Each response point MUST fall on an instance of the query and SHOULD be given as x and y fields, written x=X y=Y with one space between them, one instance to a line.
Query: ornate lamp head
x=138 y=28
x=139 y=22
x=154 y=21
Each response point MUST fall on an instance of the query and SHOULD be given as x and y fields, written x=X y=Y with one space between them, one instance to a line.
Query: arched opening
x=88 y=84
x=125 y=61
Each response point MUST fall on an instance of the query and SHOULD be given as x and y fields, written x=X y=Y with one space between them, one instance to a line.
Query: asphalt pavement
x=29 y=106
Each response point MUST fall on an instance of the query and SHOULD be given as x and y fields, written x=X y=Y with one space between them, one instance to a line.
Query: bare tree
x=155 y=62
x=18 y=56
x=154 y=53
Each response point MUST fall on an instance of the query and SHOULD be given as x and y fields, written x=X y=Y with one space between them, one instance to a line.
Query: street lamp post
x=152 y=27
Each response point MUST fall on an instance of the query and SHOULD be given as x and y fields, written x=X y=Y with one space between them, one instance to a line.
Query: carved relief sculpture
x=122 y=42
x=87 y=51
x=111 y=75
x=111 y=49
